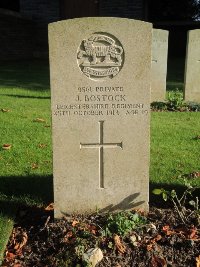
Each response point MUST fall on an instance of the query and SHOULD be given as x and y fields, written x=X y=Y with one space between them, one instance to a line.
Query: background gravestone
x=159 y=65
x=192 y=67
x=100 y=80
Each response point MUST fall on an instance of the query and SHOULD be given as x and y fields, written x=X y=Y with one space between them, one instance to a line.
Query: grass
x=26 y=168
x=6 y=225
x=174 y=149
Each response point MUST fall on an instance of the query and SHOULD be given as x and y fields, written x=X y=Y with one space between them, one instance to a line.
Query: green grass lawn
x=26 y=168
x=174 y=149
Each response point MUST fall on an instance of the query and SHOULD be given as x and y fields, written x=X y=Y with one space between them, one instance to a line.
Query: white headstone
x=192 y=67
x=100 y=81
x=159 y=65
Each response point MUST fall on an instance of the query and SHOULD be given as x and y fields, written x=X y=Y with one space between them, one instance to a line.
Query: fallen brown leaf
x=198 y=261
x=50 y=207
x=167 y=231
x=92 y=229
x=38 y=120
x=158 y=261
x=68 y=237
x=6 y=146
x=69 y=234
x=141 y=211
x=19 y=240
x=157 y=238
x=42 y=145
x=5 y=110
x=120 y=247
x=192 y=233
x=74 y=223
x=10 y=255
x=34 y=166
x=151 y=243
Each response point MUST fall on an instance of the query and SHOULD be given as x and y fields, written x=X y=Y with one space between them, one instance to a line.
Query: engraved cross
x=101 y=145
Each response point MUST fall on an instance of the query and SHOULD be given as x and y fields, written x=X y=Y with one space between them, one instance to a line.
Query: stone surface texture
x=100 y=113
x=93 y=256
x=192 y=67
x=159 y=64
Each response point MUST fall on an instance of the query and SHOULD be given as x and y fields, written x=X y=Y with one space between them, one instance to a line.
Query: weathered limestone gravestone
x=100 y=80
x=192 y=67
x=159 y=64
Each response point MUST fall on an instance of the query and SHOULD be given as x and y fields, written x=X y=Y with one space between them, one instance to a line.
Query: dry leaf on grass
x=6 y=146
x=120 y=247
x=42 y=145
x=38 y=120
x=34 y=166
x=5 y=110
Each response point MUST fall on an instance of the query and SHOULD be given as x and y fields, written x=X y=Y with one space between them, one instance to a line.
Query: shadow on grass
x=26 y=96
x=32 y=75
x=29 y=190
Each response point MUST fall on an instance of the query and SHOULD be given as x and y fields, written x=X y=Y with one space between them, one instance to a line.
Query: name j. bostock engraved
x=100 y=98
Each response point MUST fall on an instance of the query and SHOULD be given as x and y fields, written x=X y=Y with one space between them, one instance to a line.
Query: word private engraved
x=100 y=56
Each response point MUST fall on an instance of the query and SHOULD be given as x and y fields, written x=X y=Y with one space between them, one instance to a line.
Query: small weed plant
x=159 y=106
x=175 y=101
x=122 y=223
x=180 y=202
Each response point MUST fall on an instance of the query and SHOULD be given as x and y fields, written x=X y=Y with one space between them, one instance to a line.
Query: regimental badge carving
x=100 y=56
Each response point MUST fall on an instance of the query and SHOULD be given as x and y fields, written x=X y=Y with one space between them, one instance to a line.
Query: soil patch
x=161 y=240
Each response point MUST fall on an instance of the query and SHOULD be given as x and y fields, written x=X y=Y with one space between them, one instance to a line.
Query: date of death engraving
x=128 y=109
